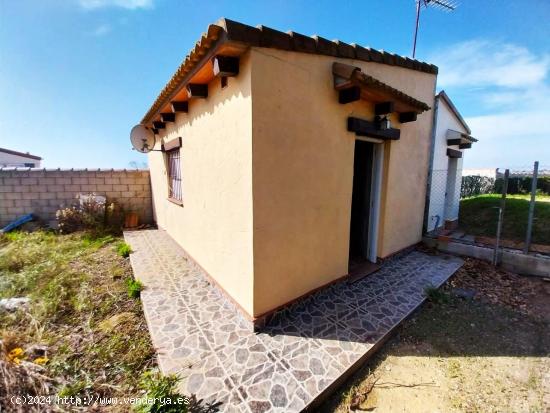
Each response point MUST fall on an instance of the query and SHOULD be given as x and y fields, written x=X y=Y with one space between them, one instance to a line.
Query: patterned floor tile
x=199 y=335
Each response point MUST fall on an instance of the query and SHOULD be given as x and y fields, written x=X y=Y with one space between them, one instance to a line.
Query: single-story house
x=10 y=158
x=452 y=136
x=281 y=159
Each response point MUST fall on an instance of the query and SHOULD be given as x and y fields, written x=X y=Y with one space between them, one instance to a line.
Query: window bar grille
x=175 y=175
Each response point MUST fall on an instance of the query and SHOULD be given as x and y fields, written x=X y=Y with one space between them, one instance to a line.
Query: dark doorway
x=360 y=203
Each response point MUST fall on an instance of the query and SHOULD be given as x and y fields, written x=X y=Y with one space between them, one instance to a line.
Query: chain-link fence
x=481 y=201
x=444 y=199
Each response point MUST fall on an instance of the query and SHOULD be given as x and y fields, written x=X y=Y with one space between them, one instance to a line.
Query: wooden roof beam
x=195 y=90
x=453 y=153
x=387 y=97
x=225 y=66
x=455 y=136
x=349 y=95
x=168 y=117
x=159 y=124
x=179 y=106
x=383 y=108
x=363 y=127
x=405 y=117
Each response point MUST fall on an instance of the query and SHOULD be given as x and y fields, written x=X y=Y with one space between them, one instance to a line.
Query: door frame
x=375 y=195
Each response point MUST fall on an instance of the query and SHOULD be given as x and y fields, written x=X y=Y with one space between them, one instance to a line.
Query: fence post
x=501 y=215
x=531 y=208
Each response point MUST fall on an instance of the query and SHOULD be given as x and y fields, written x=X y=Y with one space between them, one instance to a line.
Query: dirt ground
x=458 y=353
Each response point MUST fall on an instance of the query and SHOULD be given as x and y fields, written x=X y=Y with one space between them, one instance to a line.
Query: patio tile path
x=303 y=350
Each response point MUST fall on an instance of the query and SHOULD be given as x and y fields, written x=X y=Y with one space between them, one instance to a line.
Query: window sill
x=175 y=201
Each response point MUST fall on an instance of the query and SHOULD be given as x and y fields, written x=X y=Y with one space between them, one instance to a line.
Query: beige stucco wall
x=303 y=171
x=214 y=225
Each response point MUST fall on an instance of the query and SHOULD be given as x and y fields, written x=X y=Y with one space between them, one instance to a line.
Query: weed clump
x=134 y=287
x=123 y=249
x=162 y=390
x=437 y=296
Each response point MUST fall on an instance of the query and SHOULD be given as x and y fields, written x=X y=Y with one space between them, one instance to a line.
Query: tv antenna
x=444 y=5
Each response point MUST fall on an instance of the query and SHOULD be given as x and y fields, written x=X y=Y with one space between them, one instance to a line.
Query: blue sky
x=76 y=75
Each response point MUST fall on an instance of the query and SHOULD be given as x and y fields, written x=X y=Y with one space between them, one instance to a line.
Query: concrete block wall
x=44 y=191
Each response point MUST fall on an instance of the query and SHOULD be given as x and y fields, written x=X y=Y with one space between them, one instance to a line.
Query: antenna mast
x=445 y=5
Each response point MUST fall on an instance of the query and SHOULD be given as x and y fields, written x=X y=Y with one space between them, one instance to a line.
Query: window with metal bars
x=174 y=175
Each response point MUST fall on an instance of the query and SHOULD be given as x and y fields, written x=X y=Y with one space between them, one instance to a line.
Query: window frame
x=173 y=175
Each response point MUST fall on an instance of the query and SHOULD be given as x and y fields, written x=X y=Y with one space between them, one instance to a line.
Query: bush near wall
x=479 y=185
x=522 y=184
x=474 y=185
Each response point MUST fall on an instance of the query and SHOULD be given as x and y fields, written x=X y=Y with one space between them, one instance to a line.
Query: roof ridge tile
x=226 y=30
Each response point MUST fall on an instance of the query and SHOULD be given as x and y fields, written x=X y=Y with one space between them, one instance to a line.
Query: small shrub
x=162 y=390
x=114 y=218
x=436 y=296
x=69 y=220
x=134 y=287
x=88 y=214
x=473 y=185
x=123 y=249
x=522 y=185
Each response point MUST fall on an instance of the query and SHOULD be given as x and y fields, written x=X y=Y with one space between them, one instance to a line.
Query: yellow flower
x=41 y=360
x=16 y=353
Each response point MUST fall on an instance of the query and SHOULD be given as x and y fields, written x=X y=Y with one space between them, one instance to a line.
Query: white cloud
x=125 y=4
x=101 y=30
x=485 y=63
x=510 y=124
x=504 y=90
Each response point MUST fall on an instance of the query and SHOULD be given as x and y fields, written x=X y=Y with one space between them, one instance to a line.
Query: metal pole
x=501 y=215
x=531 y=208
x=416 y=28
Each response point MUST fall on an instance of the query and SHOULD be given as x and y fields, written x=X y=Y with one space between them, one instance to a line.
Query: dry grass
x=25 y=378
x=77 y=284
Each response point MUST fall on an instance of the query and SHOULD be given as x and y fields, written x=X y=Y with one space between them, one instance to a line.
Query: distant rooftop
x=23 y=154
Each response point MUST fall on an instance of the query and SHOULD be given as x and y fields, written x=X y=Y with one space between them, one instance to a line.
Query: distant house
x=21 y=159
x=282 y=161
x=452 y=137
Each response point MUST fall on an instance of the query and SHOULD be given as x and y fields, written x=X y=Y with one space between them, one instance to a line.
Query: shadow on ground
x=448 y=338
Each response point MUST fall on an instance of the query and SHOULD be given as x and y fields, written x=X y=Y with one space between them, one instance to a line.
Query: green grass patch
x=94 y=241
x=161 y=388
x=76 y=284
x=123 y=249
x=479 y=216
x=134 y=287
x=436 y=295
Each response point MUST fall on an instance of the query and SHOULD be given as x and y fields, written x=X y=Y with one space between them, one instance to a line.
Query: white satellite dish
x=142 y=138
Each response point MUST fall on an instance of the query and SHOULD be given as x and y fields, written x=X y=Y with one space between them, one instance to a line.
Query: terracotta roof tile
x=353 y=75
x=226 y=30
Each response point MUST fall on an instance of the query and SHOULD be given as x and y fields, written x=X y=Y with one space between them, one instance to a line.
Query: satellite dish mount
x=143 y=139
